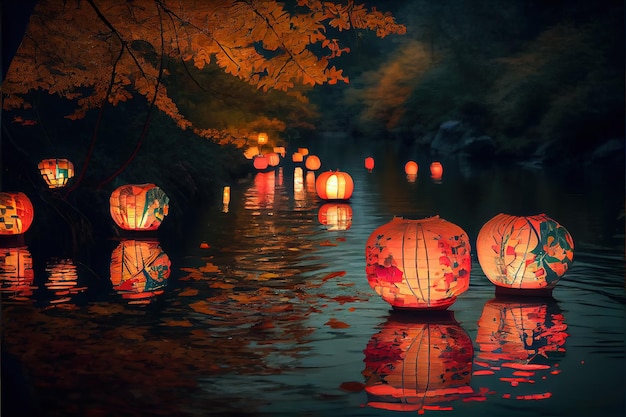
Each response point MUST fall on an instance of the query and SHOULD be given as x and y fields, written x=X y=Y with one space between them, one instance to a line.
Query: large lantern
x=418 y=363
x=524 y=252
x=56 y=172
x=16 y=273
x=334 y=185
x=335 y=216
x=16 y=213
x=139 y=206
x=418 y=264
x=313 y=163
x=139 y=269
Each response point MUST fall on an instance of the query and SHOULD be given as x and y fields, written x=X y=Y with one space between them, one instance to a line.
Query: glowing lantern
x=297 y=157
x=251 y=152
x=334 y=185
x=411 y=168
x=261 y=162
x=436 y=170
x=280 y=150
x=138 y=206
x=16 y=213
x=139 y=270
x=369 y=163
x=56 y=172
x=519 y=337
x=313 y=163
x=524 y=252
x=418 y=363
x=262 y=138
x=273 y=159
x=335 y=216
x=303 y=151
x=418 y=264
x=16 y=273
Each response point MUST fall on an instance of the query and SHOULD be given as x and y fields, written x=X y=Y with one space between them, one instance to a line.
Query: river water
x=267 y=310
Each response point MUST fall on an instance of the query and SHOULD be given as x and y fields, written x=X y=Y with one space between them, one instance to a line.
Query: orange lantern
x=313 y=163
x=261 y=162
x=139 y=269
x=335 y=216
x=334 y=185
x=417 y=363
x=273 y=159
x=519 y=336
x=369 y=163
x=262 y=138
x=524 y=252
x=436 y=170
x=411 y=168
x=303 y=151
x=297 y=157
x=138 y=206
x=418 y=264
x=16 y=273
x=56 y=172
x=280 y=150
x=16 y=213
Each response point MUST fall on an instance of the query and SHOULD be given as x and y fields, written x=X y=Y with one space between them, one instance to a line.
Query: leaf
x=352 y=386
x=336 y=324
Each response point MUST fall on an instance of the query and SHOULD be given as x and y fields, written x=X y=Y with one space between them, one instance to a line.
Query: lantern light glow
x=56 y=172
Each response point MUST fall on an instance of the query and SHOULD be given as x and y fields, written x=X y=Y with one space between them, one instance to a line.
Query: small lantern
x=251 y=152
x=262 y=138
x=313 y=163
x=297 y=157
x=369 y=163
x=273 y=159
x=524 y=252
x=335 y=216
x=280 y=150
x=16 y=213
x=411 y=168
x=16 y=273
x=334 y=185
x=436 y=170
x=418 y=264
x=303 y=151
x=260 y=162
x=139 y=269
x=414 y=363
x=56 y=172
x=138 y=206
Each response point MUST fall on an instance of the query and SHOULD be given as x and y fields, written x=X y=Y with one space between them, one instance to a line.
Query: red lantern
x=16 y=213
x=280 y=150
x=273 y=159
x=334 y=185
x=139 y=206
x=335 y=216
x=313 y=163
x=436 y=170
x=261 y=162
x=418 y=264
x=139 y=269
x=16 y=273
x=369 y=163
x=417 y=363
x=524 y=252
x=411 y=168
x=56 y=172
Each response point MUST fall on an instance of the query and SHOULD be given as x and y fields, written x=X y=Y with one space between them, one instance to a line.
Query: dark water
x=276 y=316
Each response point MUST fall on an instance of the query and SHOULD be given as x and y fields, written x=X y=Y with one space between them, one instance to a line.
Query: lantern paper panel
x=417 y=363
x=273 y=159
x=16 y=213
x=56 y=172
x=335 y=216
x=17 y=275
x=418 y=264
x=139 y=206
x=334 y=185
x=524 y=252
x=139 y=269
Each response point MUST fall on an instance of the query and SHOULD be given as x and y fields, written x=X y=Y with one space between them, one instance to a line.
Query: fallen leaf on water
x=189 y=292
x=333 y=275
x=222 y=285
x=327 y=243
x=268 y=275
x=336 y=324
x=177 y=323
x=341 y=239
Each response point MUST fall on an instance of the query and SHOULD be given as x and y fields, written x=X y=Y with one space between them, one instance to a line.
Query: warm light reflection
x=418 y=362
x=56 y=172
x=261 y=194
x=139 y=270
x=62 y=281
x=298 y=187
x=260 y=162
x=273 y=159
x=226 y=199
x=335 y=216
x=310 y=182
x=411 y=168
x=16 y=273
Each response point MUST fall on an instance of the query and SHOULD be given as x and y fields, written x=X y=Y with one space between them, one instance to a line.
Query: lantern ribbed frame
x=56 y=172
x=369 y=163
x=334 y=185
x=139 y=206
x=16 y=213
x=418 y=264
x=524 y=252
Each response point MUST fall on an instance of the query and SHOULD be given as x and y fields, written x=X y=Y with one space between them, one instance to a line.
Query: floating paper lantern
x=418 y=264
x=297 y=157
x=56 y=172
x=335 y=216
x=16 y=273
x=16 y=213
x=280 y=150
x=418 y=363
x=262 y=138
x=313 y=163
x=524 y=252
x=334 y=185
x=225 y=199
x=369 y=163
x=139 y=269
x=273 y=159
x=436 y=170
x=139 y=206
x=411 y=168
x=260 y=162
x=303 y=151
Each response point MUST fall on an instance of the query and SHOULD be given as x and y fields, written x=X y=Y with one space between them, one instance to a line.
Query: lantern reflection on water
x=335 y=216
x=62 y=280
x=261 y=195
x=138 y=206
x=520 y=337
x=16 y=273
x=139 y=270
x=417 y=362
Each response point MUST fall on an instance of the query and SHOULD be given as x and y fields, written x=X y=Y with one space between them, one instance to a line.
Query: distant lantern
x=303 y=151
x=418 y=363
x=335 y=216
x=297 y=157
x=261 y=162
x=226 y=199
x=524 y=252
x=369 y=163
x=56 y=172
x=313 y=163
x=280 y=150
x=418 y=264
x=334 y=185
x=273 y=159
x=411 y=168
x=262 y=138
x=139 y=269
x=251 y=152
x=436 y=170
x=139 y=206
x=16 y=213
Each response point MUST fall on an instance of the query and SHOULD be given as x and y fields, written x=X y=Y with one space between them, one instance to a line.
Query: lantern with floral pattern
x=56 y=172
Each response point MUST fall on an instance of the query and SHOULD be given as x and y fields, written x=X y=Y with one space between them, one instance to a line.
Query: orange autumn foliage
x=98 y=51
